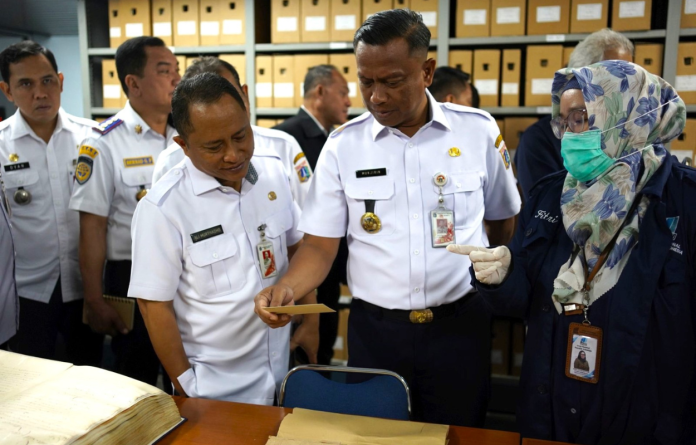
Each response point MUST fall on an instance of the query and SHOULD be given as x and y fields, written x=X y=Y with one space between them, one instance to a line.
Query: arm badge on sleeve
x=502 y=149
x=302 y=168
x=83 y=170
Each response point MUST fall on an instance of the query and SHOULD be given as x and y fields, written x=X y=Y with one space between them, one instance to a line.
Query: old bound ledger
x=49 y=402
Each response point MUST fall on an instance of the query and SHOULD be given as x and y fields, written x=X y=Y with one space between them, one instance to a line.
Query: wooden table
x=215 y=422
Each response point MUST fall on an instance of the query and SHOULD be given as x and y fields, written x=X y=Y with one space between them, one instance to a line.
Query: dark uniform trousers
x=39 y=326
x=135 y=356
x=446 y=362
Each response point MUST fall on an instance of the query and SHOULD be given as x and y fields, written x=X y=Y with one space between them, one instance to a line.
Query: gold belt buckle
x=421 y=316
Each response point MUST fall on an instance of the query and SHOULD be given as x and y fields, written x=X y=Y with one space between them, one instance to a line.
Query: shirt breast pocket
x=380 y=189
x=26 y=179
x=467 y=190
x=276 y=227
x=216 y=266
x=136 y=177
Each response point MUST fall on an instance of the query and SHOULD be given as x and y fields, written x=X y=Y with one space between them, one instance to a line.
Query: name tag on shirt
x=370 y=173
x=138 y=162
x=18 y=166
x=207 y=233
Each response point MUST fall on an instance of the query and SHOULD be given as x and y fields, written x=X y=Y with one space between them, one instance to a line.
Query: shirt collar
x=131 y=119
x=436 y=115
x=21 y=128
x=656 y=184
x=321 y=127
x=203 y=182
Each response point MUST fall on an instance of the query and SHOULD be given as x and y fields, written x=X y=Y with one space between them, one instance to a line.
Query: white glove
x=490 y=265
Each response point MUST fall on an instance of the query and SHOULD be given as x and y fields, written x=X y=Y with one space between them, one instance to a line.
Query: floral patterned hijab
x=637 y=112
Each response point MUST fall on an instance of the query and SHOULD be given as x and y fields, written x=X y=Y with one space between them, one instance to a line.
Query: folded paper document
x=300 y=309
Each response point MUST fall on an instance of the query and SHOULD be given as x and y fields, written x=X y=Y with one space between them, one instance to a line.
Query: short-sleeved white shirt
x=46 y=232
x=397 y=268
x=234 y=356
x=108 y=178
x=282 y=143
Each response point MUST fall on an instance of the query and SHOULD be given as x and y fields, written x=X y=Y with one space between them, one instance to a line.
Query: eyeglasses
x=575 y=122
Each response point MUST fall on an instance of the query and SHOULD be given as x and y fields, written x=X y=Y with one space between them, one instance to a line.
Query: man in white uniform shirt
x=405 y=180
x=214 y=231
x=38 y=149
x=297 y=170
x=114 y=171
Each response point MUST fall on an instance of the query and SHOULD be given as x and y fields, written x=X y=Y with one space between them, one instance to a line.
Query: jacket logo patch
x=207 y=233
x=672 y=223
x=83 y=170
x=15 y=167
x=86 y=150
x=138 y=162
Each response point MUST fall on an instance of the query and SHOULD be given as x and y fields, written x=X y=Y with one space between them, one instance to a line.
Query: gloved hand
x=490 y=265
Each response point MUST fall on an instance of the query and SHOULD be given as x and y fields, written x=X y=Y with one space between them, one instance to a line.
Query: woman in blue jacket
x=603 y=263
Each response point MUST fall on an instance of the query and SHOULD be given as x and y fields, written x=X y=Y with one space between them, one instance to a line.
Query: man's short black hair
x=318 y=75
x=204 y=88
x=210 y=64
x=131 y=57
x=20 y=50
x=385 y=26
x=448 y=80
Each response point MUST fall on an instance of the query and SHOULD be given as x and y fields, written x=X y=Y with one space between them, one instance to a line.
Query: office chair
x=385 y=395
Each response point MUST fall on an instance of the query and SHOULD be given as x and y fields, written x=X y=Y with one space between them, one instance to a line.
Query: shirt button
x=412 y=180
x=415 y=216
x=545 y=308
x=273 y=354
x=416 y=289
x=573 y=410
x=224 y=189
x=215 y=255
x=410 y=145
x=177 y=172
x=529 y=232
x=541 y=389
x=416 y=252
x=370 y=192
x=459 y=185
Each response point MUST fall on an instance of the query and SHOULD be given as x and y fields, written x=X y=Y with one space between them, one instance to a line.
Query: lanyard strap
x=369 y=206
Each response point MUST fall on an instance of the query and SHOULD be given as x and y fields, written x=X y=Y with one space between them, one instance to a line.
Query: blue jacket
x=538 y=154
x=646 y=392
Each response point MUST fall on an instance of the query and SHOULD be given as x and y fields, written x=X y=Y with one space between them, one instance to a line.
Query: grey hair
x=316 y=75
x=591 y=50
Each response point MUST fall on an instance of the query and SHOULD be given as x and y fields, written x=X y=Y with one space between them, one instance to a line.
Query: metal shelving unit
x=94 y=46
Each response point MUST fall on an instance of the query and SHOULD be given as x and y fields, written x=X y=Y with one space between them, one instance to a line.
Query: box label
x=507 y=15
x=352 y=89
x=210 y=28
x=286 y=24
x=487 y=87
x=315 y=23
x=186 y=28
x=345 y=22
x=283 y=90
x=517 y=361
x=544 y=110
x=590 y=11
x=511 y=88
x=231 y=27
x=628 y=10
x=686 y=83
x=681 y=154
x=474 y=17
x=429 y=18
x=339 y=45
x=548 y=14
x=162 y=29
x=496 y=357
x=542 y=86
x=134 y=30
x=264 y=89
x=115 y=32
x=690 y=7
x=555 y=37
x=112 y=91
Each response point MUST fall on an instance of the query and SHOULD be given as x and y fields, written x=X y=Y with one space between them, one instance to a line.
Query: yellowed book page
x=21 y=372
x=357 y=430
x=63 y=408
x=280 y=441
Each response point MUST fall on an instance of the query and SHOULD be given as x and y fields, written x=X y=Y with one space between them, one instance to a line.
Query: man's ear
x=182 y=143
x=61 y=78
x=449 y=98
x=5 y=87
x=133 y=84
x=245 y=88
x=428 y=71
x=320 y=90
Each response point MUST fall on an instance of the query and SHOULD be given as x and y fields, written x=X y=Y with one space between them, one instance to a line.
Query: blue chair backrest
x=381 y=396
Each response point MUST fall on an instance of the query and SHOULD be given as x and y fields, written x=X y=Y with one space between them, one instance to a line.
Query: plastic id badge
x=442 y=221
x=584 y=353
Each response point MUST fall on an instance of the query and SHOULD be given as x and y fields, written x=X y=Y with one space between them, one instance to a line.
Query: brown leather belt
x=421 y=316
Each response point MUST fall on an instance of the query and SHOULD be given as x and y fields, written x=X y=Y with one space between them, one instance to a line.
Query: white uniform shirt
x=109 y=177
x=9 y=303
x=46 y=232
x=397 y=268
x=234 y=356
x=282 y=143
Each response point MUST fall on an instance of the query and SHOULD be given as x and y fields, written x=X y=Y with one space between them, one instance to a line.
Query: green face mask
x=583 y=156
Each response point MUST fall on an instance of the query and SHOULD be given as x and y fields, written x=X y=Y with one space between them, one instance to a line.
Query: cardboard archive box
x=185 y=15
x=514 y=127
x=161 y=14
x=238 y=61
x=135 y=18
x=209 y=23
x=303 y=62
x=567 y=51
x=115 y=28
x=486 y=75
x=112 y=94
x=266 y=123
x=315 y=20
x=370 y=7
x=686 y=72
x=345 y=19
x=501 y=127
x=649 y=56
x=285 y=18
x=473 y=18
x=688 y=15
x=346 y=65
x=509 y=17
x=232 y=21
x=264 y=81
x=428 y=9
x=685 y=142
x=548 y=17
x=462 y=59
x=518 y=333
x=511 y=71
x=283 y=81
x=500 y=347
x=631 y=15
x=542 y=64
x=401 y=4
x=587 y=16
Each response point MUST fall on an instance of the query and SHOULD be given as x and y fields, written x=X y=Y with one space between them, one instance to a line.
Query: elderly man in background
x=539 y=151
